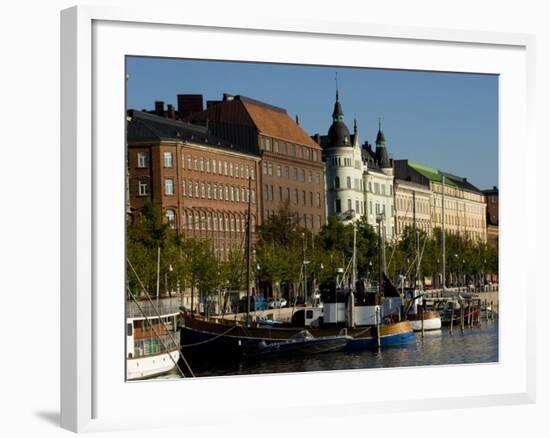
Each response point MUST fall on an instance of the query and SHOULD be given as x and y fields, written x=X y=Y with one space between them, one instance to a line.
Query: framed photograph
x=326 y=211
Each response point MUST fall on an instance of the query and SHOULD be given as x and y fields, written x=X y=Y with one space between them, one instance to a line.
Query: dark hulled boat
x=231 y=339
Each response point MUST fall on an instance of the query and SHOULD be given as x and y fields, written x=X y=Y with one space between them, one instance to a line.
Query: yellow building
x=412 y=207
x=465 y=209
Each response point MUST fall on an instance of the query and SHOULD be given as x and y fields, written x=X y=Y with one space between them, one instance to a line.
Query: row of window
x=460 y=221
x=457 y=205
x=293 y=195
x=402 y=223
x=210 y=221
x=291 y=149
x=361 y=207
x=457 y=193
x=306 y=220
x=201 y=164
x=290 y=173
x=344 y=162
x=220 y=192
x=358 y=184
x=406 y=204
x=200 y=190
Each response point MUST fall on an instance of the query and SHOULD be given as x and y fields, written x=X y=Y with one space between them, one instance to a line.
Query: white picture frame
x=94 y=396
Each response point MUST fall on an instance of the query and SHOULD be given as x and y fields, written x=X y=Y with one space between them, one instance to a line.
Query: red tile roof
x=267 y=119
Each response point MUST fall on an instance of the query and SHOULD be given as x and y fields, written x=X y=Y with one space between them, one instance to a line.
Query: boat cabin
x=308 y=317
x=145 y=336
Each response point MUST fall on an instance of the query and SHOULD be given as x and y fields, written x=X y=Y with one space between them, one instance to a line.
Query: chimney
x=227 y=97
x=159 y=107
x=171 y=112
x=189 y=104
x=211 y=103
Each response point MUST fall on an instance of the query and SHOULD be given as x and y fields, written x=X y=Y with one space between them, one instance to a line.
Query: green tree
x=144 y=237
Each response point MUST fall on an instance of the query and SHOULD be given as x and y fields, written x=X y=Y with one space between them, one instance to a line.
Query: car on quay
x=277 y=303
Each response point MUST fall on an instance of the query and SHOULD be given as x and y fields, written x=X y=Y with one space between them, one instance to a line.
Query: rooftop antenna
x=336 y=79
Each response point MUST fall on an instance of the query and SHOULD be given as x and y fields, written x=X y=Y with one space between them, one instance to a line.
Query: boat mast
x=248 y=250
x=158 y=275
x=354 y=266
x=443 y=228
x=415 y=240
x=381 y=262
x=351 y=298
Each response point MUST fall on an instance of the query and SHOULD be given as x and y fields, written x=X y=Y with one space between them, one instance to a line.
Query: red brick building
x=200 y=182
x=491 y=200
x=291 y=166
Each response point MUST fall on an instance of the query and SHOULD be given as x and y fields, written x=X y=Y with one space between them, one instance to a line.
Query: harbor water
x=476 y=345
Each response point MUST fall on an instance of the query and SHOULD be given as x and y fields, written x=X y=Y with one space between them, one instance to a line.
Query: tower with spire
x=381 y=153
x=344 y=167
x=378 y=183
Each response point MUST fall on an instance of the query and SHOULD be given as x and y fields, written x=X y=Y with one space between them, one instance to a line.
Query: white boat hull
x=152 y=365
x=429 y=324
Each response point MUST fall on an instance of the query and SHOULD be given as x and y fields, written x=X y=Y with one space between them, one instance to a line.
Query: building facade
x=292 y=170
x=359 y=181
x=412 y=207
x=201 y=184
x=491 y=200
x=464 y=211
x=344 y=168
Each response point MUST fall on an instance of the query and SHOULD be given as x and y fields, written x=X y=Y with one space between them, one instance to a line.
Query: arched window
x=348 y=182
x=171 y=218
x=336 y=182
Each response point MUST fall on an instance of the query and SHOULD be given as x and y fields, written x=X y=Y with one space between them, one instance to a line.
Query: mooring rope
x=208 y=340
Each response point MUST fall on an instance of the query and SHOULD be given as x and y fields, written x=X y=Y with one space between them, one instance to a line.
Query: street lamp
x=439 y=270
x=370 y=268
x=462 y=274
x=458 y=268
x=304 y=266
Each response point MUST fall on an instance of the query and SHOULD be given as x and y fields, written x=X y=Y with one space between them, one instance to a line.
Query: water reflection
x=477 y=345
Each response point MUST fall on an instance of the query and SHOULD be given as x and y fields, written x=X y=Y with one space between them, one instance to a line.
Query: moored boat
x=152 y=345
x=234 y=339
x=427 y=320
x=304 y=343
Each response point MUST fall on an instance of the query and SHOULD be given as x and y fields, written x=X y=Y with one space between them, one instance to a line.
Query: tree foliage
x=281 y=248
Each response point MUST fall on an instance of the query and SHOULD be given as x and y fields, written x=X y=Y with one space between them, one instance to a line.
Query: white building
x=359 y=181
x=344 y=168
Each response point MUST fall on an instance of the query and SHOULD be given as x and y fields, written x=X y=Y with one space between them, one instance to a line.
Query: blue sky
x=445 y=120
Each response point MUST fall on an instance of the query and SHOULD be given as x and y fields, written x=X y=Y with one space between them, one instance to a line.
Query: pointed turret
x=381 y=152
x=338 y=134
x=380 y=138
x=337 y=113
x=355 y=136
